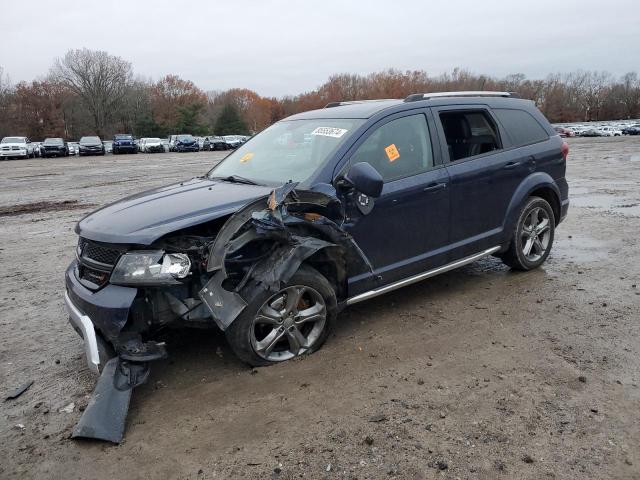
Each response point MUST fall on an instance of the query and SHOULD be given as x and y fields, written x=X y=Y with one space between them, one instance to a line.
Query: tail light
x=565 y=150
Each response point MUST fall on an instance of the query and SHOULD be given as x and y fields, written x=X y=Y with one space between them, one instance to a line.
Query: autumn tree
x=177 y=104
x=229 y=122
x=100 y=80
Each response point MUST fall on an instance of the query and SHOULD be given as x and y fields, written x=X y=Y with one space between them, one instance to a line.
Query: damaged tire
x=275 y=327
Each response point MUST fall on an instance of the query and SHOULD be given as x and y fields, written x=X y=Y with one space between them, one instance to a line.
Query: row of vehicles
x=23 y=147
x=598 y=130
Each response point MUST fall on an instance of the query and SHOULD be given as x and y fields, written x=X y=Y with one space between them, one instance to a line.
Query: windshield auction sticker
x=330 y=132
x=246 y=157
x=392 y=152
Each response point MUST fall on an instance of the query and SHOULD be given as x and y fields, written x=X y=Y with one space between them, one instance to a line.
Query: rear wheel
x=533 y=236
x=275 y=327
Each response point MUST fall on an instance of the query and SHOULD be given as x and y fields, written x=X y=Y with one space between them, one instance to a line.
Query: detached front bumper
x=98 y=316
x=83 y=325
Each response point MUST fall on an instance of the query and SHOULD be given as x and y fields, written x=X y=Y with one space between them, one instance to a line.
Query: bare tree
x=99 y=79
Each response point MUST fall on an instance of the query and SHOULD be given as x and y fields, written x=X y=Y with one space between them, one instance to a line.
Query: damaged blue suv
x=321 y=210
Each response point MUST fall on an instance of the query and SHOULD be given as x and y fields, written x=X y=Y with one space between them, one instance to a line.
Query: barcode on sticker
x=329 y=132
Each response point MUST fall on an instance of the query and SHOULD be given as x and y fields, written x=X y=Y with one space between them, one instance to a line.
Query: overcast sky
x=279 y=47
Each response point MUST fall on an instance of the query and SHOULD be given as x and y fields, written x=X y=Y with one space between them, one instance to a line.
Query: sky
x=286 y=47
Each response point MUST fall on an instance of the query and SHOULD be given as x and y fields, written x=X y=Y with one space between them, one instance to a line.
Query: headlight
x=152 y=267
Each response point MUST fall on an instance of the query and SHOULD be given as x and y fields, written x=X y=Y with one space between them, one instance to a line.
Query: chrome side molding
x=421 y=276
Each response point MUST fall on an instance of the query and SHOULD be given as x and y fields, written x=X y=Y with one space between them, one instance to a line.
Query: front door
x=407 y=230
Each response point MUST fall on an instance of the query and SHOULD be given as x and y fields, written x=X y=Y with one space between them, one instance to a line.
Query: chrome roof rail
x=353 y=102
x=479 y=93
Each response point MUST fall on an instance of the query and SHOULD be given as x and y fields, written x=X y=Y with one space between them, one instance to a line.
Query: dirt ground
x=480 y=373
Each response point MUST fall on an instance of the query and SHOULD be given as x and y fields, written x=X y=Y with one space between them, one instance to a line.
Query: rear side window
x=469 y=133
x=521 y=126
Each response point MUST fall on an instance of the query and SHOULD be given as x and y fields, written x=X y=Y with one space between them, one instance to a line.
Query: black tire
x=515 y=257
x=240 y=332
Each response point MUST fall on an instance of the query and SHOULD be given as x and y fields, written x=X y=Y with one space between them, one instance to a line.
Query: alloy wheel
x=289 y=323
x=536 y=233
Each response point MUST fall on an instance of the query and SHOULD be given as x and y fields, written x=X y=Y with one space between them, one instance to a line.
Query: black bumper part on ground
x=105 y=416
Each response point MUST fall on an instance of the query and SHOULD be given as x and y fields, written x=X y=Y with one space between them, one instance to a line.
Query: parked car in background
x=36 y=148
x=565 y=132
x=91 y=146
x=632 y=129
x=608 y=131
x=108 y=146
x=203 y=144
x=185 y=143
x=124 y=143
x=217 y=143
x=232 y=141
x=165 y=144
x=591 y=132
x=73 y=148
x=151 y=145
x=54 y=147
x=16 y=147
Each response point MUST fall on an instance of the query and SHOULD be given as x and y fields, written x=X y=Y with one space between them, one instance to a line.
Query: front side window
x=521 y=126
x=469 y=133
x=288 y=150
x=398 y=149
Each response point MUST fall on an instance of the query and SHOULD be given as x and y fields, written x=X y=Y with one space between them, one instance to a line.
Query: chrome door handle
x=434 y=187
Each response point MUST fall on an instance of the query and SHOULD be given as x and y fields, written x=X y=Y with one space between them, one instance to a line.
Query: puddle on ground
x=579 y=249
x=609 y=203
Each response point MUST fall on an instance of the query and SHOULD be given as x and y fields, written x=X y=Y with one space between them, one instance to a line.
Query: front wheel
x=533 y=236
x=275 y=327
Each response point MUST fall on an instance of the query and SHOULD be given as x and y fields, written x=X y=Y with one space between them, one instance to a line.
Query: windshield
x=54 y=141
x=185 y=138
x=124 y=137
x=13 y=140
x=289 y=150
x=90 y=140
x=152 y=140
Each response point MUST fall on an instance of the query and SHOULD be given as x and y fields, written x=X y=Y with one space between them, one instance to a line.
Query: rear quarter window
x=521 y=126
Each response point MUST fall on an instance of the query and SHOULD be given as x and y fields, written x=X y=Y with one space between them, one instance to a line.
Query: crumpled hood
x=145 y=217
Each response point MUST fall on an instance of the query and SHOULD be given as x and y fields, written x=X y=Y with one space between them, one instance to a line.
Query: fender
x=531 y=183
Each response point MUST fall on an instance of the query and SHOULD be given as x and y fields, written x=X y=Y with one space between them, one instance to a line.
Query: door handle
x=434 y=187
x=510 y=165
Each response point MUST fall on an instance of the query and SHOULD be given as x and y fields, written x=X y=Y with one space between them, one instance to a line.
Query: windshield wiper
x=236 y=179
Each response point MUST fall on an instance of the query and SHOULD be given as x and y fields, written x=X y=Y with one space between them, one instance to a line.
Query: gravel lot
x=479 y=373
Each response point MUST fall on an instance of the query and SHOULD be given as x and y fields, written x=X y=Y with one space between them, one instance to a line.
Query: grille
x=96 y=277
x=98 y=253
x=96 y=261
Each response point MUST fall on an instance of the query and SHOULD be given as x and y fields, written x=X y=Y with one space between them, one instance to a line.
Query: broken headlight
x=151 y=267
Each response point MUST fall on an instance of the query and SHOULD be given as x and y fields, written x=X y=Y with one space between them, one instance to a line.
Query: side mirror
x=365 y=179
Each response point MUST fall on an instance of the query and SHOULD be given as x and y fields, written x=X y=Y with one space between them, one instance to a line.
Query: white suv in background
x=16 y=147
x=608 y=131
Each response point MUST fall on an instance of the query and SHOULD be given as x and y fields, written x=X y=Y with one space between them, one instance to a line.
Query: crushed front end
x=120 y=296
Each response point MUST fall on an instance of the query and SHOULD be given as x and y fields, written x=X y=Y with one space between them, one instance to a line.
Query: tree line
x=93 y=92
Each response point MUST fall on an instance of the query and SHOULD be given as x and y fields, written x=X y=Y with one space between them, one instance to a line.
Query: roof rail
x=352 y=102
x=479 y=93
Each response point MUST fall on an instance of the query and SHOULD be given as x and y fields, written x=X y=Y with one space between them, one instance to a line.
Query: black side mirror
x=365 y=179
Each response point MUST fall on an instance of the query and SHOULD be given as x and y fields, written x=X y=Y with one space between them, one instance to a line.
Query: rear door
x=407 y=229
x=483 y=176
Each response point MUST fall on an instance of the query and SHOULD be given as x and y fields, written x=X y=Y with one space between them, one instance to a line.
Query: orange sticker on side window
x=246 y=157
x=392 y=152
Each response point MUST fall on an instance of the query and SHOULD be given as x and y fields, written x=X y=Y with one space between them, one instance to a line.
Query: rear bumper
x=564 y=209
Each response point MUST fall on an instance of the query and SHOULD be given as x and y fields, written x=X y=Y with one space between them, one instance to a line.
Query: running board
x=421 y=276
